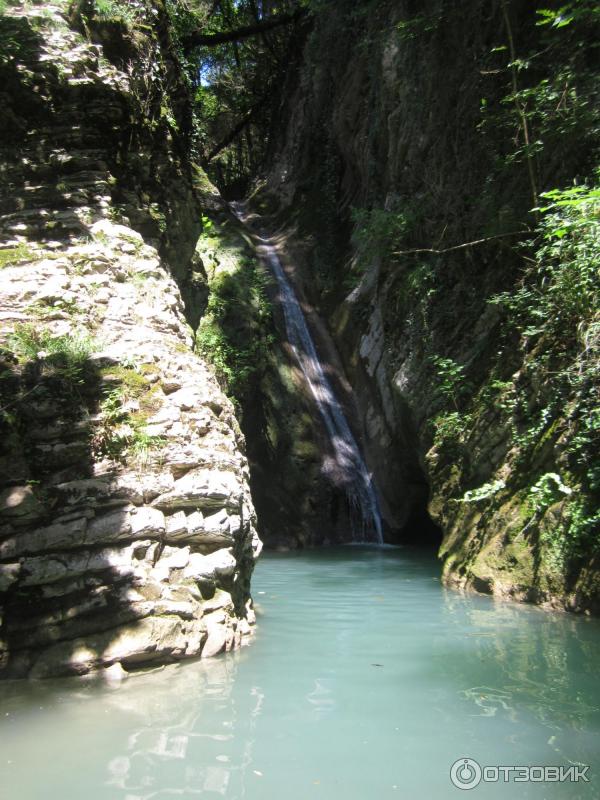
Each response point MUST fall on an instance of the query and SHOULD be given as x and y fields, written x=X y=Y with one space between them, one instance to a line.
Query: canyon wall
x=127 y=530
x=413 y=148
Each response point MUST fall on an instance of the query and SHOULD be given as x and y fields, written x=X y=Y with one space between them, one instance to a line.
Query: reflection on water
x=192 y=722
x=366 y=679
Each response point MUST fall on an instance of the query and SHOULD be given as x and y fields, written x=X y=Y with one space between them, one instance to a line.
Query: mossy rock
x=13 y=256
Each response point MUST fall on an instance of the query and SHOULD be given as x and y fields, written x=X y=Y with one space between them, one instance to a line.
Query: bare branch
x=458 y=246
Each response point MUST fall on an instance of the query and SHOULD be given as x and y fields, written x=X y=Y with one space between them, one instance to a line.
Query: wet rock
x=114 y=674
x=215 y=642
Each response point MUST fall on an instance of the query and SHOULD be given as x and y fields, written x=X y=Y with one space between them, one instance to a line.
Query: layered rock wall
x=127 y=531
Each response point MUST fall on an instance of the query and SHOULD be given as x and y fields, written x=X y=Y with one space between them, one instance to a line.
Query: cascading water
x=349 y=468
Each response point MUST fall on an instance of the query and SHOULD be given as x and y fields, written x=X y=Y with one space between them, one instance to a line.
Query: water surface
x=366 y=679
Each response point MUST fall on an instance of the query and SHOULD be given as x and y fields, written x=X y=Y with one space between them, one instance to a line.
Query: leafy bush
x=452 y=383
x=547 y=490
x=560 y=294
x=557 y=311
x=569 y=12
x=119 y=434
x=449 y=429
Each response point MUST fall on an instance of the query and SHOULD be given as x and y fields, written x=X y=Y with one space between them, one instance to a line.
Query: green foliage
x=413 y=294
x=11 y=256
x=576 y=10
x=120 y=434
x=18 y=39
x=182 y=18
x=377 y=231
x=498 y=394
x=107 y=440
x=556 y=310
x=565 y=545
x=548 y=114
x=560 y=294
x=133 y=382
x=143 y=448
x=547 y=490
x=585 y=443
x=237 y=86
x=234 y=334
x=415 y=27
x=583 y=533
x=483 y=492
x=452 y=384
x=450 y=430
x=126 y=13
x=48 y=308
x=554 y=314
x=64 y=357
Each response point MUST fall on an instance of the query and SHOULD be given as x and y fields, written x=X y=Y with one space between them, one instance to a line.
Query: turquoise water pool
x=366 y=679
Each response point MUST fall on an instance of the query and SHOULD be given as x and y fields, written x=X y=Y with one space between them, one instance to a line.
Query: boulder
x=20 y=505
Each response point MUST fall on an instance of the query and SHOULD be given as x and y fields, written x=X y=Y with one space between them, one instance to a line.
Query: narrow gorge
x=302 y=274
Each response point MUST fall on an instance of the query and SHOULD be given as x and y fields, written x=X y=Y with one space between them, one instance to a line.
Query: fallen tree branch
x=198 y=39
x=457 y=246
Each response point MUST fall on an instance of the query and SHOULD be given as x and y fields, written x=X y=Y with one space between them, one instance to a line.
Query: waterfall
x=349 y=468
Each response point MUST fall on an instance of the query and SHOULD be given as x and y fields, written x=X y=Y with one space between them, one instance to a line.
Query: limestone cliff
x=388 y=165
x=127 y=530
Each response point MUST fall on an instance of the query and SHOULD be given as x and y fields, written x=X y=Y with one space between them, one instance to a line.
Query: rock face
x=127 y=530
x=297 y=499
x=463 y=414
